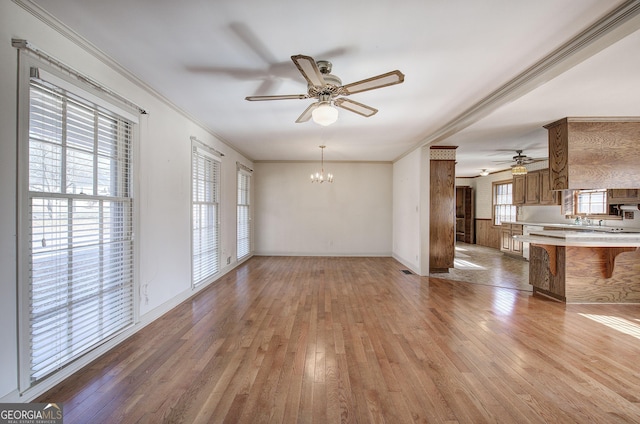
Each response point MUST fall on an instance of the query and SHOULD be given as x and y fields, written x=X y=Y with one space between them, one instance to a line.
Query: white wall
x=411 y=212
x=162 y=182
x=484 y=192
x=349 y=217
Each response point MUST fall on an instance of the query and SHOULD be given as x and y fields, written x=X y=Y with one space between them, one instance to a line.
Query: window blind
x=503 y=209
x=205 y=170
x=243 y=223
x=80 y=227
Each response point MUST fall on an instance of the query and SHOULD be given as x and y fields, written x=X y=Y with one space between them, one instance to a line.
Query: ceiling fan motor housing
x=324 y=66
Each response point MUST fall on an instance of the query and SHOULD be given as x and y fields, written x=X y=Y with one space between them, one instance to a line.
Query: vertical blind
x=243 y=224
x=80 y=227
x=205 y=215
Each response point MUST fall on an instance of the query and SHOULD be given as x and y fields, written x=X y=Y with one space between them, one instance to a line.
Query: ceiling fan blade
x=356 y=107
x=278 y=97
x=306 y=115
x=384 y=80
x=309 y=70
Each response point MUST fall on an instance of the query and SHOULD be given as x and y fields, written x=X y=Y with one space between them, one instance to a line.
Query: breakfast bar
x=584 y=267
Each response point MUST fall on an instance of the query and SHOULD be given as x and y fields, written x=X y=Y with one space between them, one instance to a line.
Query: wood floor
x=484 y=265
x=327 y=340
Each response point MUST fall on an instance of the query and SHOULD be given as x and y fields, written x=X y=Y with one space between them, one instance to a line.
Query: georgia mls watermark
x=30 y=413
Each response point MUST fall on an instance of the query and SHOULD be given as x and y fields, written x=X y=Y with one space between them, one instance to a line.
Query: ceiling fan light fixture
x=518 y=170
x=325 y=114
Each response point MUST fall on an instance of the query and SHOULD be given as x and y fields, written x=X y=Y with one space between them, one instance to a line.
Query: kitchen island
x=584 y=267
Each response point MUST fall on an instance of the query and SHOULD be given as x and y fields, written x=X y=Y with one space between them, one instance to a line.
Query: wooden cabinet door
x=519 y=189
x=532 y=193
x=547 y=196
x=625 y=195
x=516 y=246
x=505 y=243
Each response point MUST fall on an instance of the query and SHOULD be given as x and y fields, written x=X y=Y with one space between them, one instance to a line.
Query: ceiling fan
x=519 y=162
x=327 y=89
x=519 y=159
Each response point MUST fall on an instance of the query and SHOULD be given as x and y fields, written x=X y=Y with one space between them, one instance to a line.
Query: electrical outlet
x=228 y=260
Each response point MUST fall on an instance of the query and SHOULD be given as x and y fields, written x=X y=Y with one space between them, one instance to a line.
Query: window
x=205 y=168
x=585 y=202
x=591 y=202
x=243 y=227
x=77 y=261
x=503 y=210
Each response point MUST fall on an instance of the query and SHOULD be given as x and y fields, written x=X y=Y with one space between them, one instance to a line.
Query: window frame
x=240 y=205
x=578 y=195
x=198 y=277
x=494 y=195
x=95 y=98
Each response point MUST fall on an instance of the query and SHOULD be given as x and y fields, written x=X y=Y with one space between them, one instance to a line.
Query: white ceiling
x=205 y=56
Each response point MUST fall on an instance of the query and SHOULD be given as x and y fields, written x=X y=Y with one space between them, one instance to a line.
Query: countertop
x=581 y=238
x=587 y=228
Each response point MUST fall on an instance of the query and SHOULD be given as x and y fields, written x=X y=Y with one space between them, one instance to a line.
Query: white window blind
x=205 y=170
x=80 y=227
x=243 y=224
x=503 y=209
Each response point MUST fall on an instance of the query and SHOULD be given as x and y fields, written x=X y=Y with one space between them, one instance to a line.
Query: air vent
x=406 y=271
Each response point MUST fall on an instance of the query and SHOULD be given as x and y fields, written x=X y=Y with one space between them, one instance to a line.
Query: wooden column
x=442 y=201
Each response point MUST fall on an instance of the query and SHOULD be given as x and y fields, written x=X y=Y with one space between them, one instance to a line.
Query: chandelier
x=320 y=177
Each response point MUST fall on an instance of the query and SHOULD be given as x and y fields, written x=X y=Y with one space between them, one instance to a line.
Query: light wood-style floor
x=484 y=265
x=327 y=340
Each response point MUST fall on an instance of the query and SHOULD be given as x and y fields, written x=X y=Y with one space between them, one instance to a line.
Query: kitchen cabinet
x=588 y=153
x=464 y=214
x=508 y=245
x=533 y=188
x=621 y=196
x=519 y=188
x=547 y=196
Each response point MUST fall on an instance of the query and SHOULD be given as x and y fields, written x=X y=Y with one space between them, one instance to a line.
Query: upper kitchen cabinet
x=587 y=153
x=533 y=189
x=621 y=196
x=547 y=196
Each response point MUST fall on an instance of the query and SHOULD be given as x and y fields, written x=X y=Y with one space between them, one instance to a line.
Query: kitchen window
x=503 y=209
x=591 y=202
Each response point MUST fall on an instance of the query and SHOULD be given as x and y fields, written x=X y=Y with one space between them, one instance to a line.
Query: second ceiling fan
x=328 y=89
